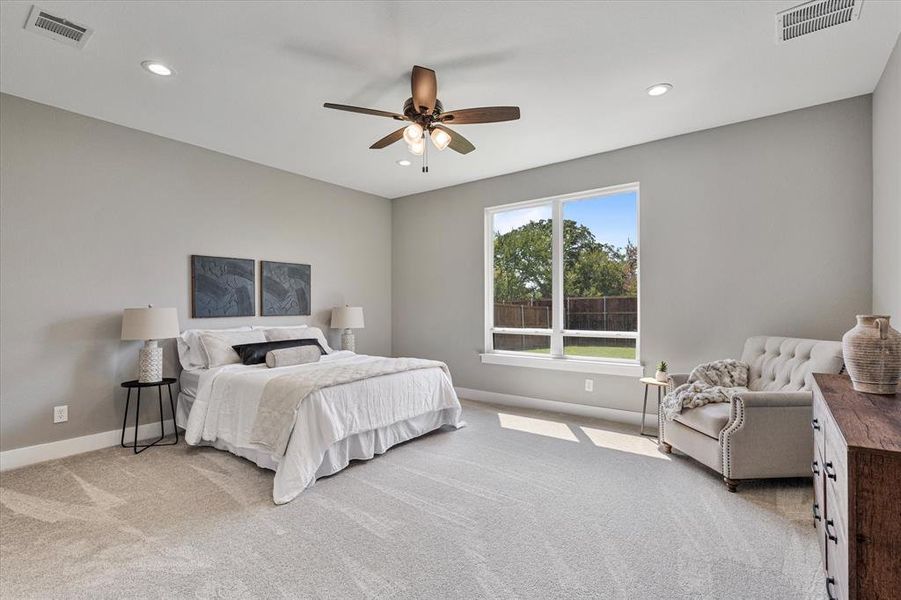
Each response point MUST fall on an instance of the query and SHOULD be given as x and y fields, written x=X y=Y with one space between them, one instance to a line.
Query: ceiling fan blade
x=485 y=114
x=458 y=143
x=388 y=139
x=424 y=87
x=365 y=111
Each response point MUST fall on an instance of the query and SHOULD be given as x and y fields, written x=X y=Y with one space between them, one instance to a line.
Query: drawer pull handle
x=816 y=512
x=830 y=524
x=830 y=470
x=830 y=583
x=815 y=467
x=815 y=424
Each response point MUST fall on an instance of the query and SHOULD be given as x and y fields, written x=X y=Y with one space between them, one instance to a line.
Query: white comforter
x=334 y=425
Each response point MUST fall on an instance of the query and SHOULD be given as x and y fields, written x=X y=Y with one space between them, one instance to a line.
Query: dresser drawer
x=836 y=537
x=833 y=582
x=818 y=421
x=835 y=470
x=819 y=510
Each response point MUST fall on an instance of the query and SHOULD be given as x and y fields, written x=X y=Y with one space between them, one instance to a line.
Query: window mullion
x=557 y=279
x=489 y=282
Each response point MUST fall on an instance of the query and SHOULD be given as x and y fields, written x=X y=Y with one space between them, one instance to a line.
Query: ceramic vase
x=660 y=376
x=150 y=363
x=872 y=352
x=347 y=340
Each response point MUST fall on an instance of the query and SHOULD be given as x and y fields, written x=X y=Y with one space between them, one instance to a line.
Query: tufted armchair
x=765 y=432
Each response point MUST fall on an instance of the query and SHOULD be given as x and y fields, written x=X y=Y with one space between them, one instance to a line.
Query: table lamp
x=150 y=324
x=347 y=318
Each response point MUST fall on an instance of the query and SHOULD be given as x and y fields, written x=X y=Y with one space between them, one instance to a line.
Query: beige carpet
x=516 y=505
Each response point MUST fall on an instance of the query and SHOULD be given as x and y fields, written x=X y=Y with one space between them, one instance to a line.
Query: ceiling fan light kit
x=413 y=133
x=417 y=147
x=440 y=138
x=426 y=115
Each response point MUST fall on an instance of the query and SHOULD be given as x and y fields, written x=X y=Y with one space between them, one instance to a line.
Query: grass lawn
x=593 y=351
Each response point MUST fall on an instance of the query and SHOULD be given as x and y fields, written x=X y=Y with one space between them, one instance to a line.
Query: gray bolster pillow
x=298 y=355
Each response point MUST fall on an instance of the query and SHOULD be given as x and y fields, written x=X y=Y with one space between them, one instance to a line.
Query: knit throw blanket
x=716 y=381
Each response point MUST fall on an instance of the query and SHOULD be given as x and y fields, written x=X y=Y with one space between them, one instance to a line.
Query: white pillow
x=283 y=327
x=287 y=357
x=278 y=334
x=191 y=354
x=218 y=345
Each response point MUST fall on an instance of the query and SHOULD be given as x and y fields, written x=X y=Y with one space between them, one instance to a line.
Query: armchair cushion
x=709 y=419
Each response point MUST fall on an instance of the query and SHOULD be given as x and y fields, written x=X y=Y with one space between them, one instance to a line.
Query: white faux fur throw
x=716 y=381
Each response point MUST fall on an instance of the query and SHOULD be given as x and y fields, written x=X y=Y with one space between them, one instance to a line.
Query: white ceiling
x=252 y=76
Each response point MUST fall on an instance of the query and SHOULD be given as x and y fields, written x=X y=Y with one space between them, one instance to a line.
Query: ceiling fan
x=426 y=115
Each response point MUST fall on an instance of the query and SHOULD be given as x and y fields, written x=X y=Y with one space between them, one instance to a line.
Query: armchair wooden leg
x=666 y=448
x=731 y=484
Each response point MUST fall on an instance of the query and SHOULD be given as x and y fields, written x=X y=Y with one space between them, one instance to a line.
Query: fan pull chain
x=425 y=153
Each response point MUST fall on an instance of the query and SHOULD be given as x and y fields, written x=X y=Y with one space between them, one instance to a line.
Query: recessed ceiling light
x=404 y=163
x=658 y=89
x=157 y=68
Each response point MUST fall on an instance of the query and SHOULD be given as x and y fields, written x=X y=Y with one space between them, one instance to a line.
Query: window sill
x=624 y=368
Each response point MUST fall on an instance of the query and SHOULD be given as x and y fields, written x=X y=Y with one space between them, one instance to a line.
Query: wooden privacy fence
x=606 y=313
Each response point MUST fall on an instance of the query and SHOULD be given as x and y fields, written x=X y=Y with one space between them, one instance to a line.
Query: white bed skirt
x=362 y=446
x=367 y=444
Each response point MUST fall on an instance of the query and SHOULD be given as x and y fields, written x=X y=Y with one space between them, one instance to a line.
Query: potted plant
x=661 y=371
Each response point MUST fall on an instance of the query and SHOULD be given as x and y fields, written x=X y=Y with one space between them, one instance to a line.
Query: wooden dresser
x=857 y=489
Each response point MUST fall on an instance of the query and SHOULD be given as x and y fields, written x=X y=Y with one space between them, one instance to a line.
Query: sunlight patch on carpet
x=624 y=442
x=553 y=429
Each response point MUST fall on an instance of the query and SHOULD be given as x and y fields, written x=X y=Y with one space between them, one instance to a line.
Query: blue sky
x=612 y=219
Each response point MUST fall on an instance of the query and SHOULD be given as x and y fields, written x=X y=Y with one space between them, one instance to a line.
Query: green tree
x=630 y=269
x=522 y=264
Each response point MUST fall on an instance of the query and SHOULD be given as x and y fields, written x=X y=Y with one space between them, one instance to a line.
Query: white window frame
x=557 y=359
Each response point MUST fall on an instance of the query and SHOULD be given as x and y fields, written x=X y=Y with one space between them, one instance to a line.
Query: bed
x=218 y=405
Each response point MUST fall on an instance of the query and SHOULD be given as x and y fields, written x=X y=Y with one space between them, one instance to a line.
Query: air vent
x=57 y=28
x=814 y=16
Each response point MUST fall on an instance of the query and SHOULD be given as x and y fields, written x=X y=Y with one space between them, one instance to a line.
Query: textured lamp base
x=347 y=340
x=150 y=363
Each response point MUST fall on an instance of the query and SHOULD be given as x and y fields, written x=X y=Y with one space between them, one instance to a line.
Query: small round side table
x=649 y=381
x=135 y=384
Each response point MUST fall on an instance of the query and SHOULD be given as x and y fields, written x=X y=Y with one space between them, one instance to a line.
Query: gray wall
x=97 y=217
x=887 y=190
x=758 y=227
x=762 y=227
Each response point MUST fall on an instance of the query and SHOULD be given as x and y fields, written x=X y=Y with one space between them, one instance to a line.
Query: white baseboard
x=569 y=408
x=20 y=457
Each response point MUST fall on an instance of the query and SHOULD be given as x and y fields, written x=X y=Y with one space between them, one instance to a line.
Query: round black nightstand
x=135 y=384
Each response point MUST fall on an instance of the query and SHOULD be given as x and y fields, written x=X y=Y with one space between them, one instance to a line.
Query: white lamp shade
x=149 y=323
x=347 y=317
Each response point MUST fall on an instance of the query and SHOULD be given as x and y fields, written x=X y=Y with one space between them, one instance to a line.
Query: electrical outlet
x=589 y=385
x=61 y=413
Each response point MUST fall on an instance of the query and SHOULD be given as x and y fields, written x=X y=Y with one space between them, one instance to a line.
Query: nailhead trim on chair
x=736 y=422
x=660 y=417
x=660 y=426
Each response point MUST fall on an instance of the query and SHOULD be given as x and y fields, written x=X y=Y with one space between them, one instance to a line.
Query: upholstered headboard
x=786 y=364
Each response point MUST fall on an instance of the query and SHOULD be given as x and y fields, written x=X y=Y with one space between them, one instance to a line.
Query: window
x=562 y=281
